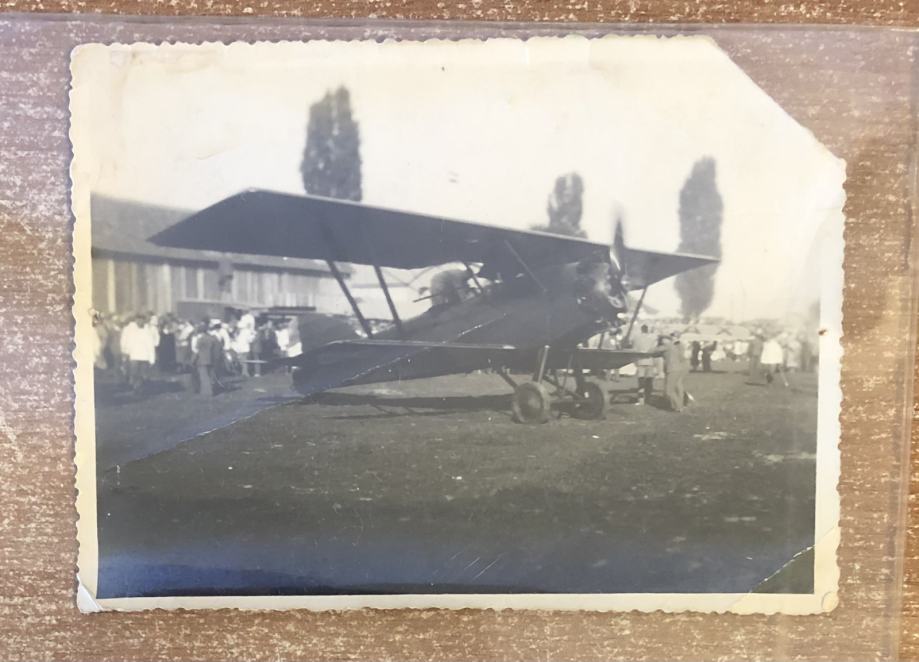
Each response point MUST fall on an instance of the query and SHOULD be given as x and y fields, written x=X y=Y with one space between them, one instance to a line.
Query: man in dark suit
x=208 y=352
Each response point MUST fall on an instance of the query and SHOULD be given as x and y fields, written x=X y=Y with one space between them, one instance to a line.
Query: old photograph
x=536 y=324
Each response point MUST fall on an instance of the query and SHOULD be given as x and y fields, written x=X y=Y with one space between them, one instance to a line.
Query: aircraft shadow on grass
x=391 y=406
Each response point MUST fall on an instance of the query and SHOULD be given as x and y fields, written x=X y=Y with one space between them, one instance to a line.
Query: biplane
x=516 y=302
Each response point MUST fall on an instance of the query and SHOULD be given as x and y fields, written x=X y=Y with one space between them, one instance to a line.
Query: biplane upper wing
x=644 y=268
x=282 y=225
x=348 y=362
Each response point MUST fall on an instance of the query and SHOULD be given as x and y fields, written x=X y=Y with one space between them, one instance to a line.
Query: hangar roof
x=125 y=226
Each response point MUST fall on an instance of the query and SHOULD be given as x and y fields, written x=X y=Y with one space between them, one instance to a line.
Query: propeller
x=618 y=257
x=601 y=287
x=617 y=250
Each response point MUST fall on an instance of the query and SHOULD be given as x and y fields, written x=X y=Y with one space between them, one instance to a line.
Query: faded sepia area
x=546 y=317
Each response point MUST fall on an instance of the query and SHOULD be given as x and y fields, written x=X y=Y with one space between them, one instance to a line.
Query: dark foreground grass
x=429 y=486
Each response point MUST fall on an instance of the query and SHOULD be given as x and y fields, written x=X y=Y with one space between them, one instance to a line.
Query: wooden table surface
x=37 y=616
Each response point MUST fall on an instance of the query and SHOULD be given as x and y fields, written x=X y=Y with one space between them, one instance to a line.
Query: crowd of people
x=769 y=356
x=137 y=347
x=776 y=354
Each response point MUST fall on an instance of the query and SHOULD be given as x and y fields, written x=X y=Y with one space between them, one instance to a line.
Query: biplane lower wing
x=596 y=359
x=351 y=362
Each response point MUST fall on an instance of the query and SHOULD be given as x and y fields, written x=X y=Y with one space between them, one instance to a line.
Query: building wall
x=122 y=285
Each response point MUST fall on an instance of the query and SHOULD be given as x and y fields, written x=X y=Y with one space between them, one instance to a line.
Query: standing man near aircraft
x=675 y=369
x=645 y=342
x=208 y=354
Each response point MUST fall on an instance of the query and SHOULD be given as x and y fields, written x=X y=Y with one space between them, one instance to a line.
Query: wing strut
x=641 y=299
x=365 y=325
x=330 y=241
x=389 y=301
x=524 y=265
x=475 y=279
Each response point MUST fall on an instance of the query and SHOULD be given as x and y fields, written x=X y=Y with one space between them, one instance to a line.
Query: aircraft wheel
x=592 y=401
x=531 y=404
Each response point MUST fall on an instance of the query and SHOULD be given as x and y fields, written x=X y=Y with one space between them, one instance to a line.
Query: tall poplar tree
x=700 y=212
x=331 y=163
x=565 y=206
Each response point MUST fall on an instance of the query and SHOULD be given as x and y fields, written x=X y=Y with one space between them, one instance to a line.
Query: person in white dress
x=242 y=343
x=138 y=345
x=772 y=358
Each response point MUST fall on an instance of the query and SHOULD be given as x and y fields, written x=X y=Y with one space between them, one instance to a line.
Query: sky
x=479 y=131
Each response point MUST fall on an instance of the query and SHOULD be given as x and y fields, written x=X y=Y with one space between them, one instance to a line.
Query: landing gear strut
x=532 y=403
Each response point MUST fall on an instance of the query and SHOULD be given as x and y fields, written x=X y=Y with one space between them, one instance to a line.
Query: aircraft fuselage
x=553 y=308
